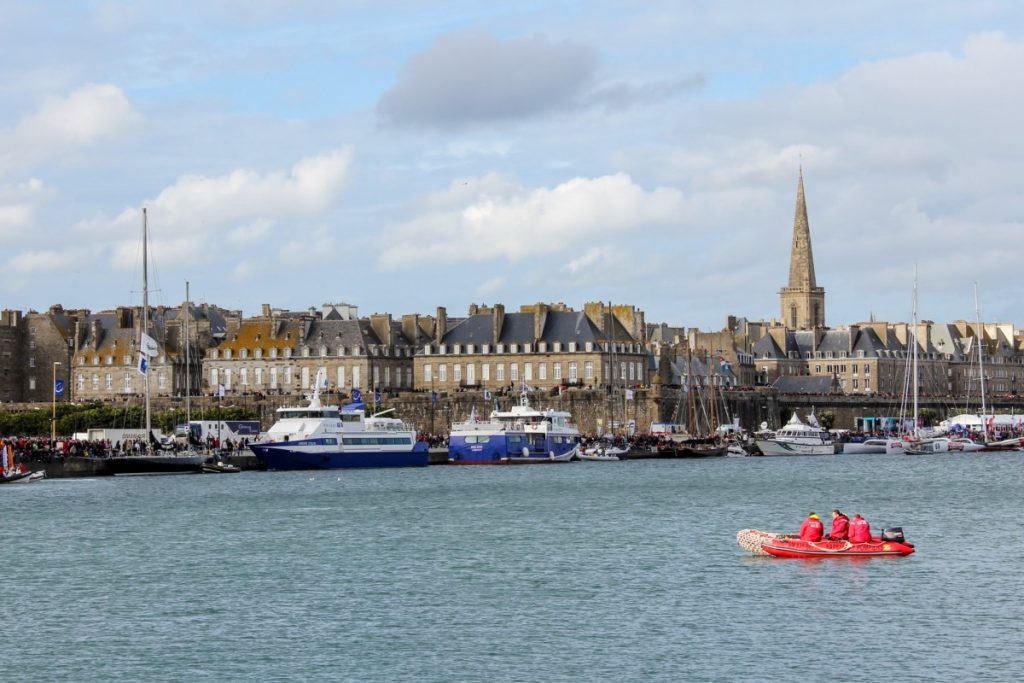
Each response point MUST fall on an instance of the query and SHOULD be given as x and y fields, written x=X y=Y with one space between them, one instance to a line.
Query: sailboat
x=690 y=445
x=920 y=443
x=151 y=458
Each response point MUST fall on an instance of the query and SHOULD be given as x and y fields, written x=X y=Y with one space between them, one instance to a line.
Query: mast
x=713 y=419
x=145 y=323
x=188 y=369
x=980 y=338
x=691 y=411
x=917 y=431
x=614 y=384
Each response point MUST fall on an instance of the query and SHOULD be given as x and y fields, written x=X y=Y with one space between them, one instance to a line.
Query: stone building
x=280 y=352
x=105 y=364
x=35 y=351
x=541 y=346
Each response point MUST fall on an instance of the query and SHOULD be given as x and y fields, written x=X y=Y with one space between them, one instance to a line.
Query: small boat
x=10 y=473
x=765 y=543
x=601 y=453
x=964 y=445
x=879 y=446
x=928 y=446
x=797 y=438
x=213 y=466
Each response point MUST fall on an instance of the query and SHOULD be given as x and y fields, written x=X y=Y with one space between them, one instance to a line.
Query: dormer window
x=288 y=353
x=542 y=347
x=457 y=349
x=323 y=351
x=227 y=354
x=589 y=347
x=513 y=348
x=558 y=347
x=110 y=360
x=127 y=360
x=426 y=349
x=213 y=354
x=469 y=348
x=273 y=352
x=243 y=353
x=305 y=352
x=341 y=350
x=501 y=348
x=259 y=353
x=443 y=350
x=572 y=347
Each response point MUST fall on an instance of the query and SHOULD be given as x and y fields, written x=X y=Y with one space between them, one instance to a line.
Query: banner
x=220 y=390
x=629 y=394
x=487 y=394
x=148 y=346
x=143 y=364
x=357 y=396
x=376 y=398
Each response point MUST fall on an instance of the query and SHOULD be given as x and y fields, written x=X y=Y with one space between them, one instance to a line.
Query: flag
x=220 y=390
x=357 y=396
x=433 y=397
x=629 y=394
x=487 y=394
x=143 y=364
x=376 y=398
x=148 y=346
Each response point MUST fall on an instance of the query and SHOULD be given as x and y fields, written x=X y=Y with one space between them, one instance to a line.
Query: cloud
x=515 y=223
x=241 y=206
x=474 y=77
x=86 y=116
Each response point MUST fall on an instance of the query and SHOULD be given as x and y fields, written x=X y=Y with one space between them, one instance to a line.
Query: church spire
x=803 y=301
x=801 y=259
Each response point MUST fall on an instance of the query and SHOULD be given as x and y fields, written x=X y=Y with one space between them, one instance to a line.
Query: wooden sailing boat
x=151 y=458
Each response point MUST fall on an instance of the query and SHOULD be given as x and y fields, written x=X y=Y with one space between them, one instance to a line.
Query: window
x=95 y=382
x=457 y=372
x=273 y=353
x=243 y=377
x=485 y=372
x=31 y=383
x=357 y=382
x=542 y=371
x=227 y=354
x=376 y=376
x=227 y=379
x=323 y=351
x=442 y=372
x=305 y=378
x=867 y=371
x=867 y=384
x=817 y=369
x=573 y=372
x=427 y=377
x=258 y=376
x=588 y=369
x=527 y=372
x=259 y=353
x=288 y=375
x=81 y=360
x=95 y=360
x=273 y=378
x=80 y=383
x=243 y=353
x=160 y=381
x=31 y=362
x=513 y=372
x=109 y=382
x=513 y=348
x=341 y=377
x=557 y=370
x=622 y=370
x=589 y=346
x=572 y=347
x=854 y=384
x=499 y=372
x=630 y=366
x=127 y=382
x=213 y=378
x=471 y=373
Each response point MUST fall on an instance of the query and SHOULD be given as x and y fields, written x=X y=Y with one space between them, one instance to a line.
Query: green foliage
x=79 y=418
x=826 y=419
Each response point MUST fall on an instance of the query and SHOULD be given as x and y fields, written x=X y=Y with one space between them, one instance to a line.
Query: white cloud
x=516 y=223
x=242 y=205
x=86 y=116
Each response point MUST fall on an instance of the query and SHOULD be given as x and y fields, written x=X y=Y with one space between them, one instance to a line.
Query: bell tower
x=802 y=302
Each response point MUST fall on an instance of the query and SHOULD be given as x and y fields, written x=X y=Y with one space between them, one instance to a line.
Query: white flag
x=629 y=394
x=220 y=390
x=148 y=346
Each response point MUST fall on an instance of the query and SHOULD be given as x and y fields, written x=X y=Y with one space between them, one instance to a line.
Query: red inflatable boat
x=779 y=545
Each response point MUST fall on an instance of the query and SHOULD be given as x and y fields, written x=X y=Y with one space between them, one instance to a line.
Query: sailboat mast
x=145 y=321
x=691 y=411
x=188 y=368
x=914 y=317
x=980 y=339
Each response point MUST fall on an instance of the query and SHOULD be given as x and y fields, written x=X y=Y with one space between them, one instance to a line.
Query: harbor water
x=621 y=571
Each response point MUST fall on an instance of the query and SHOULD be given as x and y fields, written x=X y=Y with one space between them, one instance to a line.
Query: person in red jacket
x=860 y=530
x=840 y=526
x=812 y=528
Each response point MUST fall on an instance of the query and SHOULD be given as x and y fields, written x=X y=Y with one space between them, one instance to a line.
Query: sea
x=592 y=571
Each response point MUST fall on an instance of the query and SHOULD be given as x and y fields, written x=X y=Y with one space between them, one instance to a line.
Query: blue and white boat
x=320 y=437
x=520 y=435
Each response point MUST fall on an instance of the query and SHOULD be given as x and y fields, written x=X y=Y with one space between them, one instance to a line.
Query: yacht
x=797 y=438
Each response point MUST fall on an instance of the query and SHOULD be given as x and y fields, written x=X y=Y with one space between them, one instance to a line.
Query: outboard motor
x=893 y=535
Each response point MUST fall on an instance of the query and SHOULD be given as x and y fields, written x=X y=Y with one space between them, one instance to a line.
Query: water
x=583 y=572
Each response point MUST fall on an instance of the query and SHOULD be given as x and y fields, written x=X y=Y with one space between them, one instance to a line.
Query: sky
x=402 y=155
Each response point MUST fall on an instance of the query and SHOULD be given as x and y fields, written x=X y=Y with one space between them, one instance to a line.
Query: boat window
x=349 y=417
x=515 y=439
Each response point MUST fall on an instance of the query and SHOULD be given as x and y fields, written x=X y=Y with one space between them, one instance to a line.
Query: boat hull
x=155 y=464
x=299 y=456
x=506 y=449
x=778 y=545
x=773 y=447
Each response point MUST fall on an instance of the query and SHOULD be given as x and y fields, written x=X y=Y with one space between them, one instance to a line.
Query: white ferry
x=797 y=438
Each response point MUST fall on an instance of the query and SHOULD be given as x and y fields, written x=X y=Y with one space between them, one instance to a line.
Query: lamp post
x=53 y=415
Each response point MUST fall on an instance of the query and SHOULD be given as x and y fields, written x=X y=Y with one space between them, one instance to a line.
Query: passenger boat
x=890 y=544
x=521 y=435
x=797 y=438
x=319 y=437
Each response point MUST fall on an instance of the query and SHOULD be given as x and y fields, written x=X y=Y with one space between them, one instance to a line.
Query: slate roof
x=804 y=385
x=517 y=328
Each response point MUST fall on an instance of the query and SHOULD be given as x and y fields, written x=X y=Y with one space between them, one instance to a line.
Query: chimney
x=778 y=335
x=410 y=327
x=265 y=310
x=441 y=326
x=497 y=321
x=595 y=311
x=124 y=317
x=381 y=324
x=854 y=331
x=95 y=330
x=540 y=317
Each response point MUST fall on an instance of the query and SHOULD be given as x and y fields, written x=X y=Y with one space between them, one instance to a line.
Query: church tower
x=803 y=302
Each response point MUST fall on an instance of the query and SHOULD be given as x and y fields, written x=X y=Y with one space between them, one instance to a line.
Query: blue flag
x=143 y=363
x=376 y=398
x=433 y=397
x=357 y=396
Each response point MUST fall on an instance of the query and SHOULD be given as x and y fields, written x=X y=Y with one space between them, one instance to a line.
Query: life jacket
x=860 y=531
x=811 y=530
x=840 y=528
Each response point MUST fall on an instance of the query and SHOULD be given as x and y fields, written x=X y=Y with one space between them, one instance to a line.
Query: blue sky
x=407 y=155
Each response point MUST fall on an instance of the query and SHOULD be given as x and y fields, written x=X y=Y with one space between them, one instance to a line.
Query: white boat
x=323 y=437
x=736 y=451
x=599 y=453
x=964 y=445
x=797 y=438
x=876 y=446
x=928 y=446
